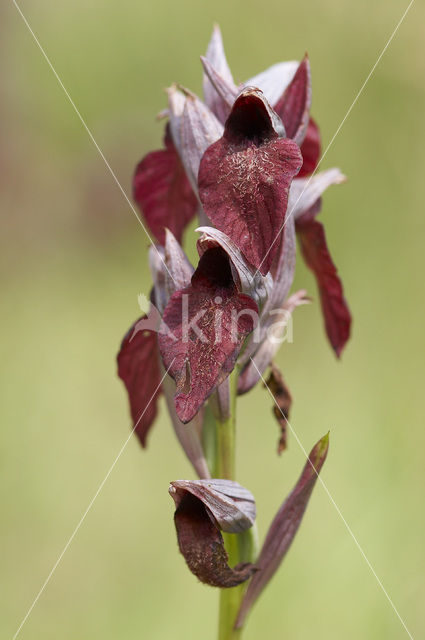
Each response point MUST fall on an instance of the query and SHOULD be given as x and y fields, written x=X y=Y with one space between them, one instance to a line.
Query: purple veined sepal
x=179 y=268
x=205 y=508
x=256 y=362
x=216 y=60
x=305 y=192
x=283 y=528
x=225 y=92
x=194 y=128
x=283 y=269
x=244 y=178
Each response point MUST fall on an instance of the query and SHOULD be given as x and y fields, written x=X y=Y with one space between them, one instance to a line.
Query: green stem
x=230 y=599
x=236 y=545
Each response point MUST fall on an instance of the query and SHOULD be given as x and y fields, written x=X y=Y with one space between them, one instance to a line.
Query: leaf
x=283 y=528
x=244 y=178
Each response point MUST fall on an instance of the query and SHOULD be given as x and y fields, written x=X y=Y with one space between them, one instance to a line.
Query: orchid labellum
x=244 y=160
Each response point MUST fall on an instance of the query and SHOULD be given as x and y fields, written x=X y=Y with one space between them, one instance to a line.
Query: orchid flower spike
x=244 y=160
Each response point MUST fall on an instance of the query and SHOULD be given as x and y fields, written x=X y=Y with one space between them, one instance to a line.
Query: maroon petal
x=204 y=507
x=138 y=368
x=311 y=149
x=205 y=325
x=244 y=178
x=283 y=528
x=163 y=193
x=335 y=309
x=294 y=105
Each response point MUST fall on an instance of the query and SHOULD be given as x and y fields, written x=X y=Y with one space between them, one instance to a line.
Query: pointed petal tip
x=319 y=452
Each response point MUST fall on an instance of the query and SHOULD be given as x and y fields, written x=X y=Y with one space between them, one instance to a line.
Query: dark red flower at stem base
x=244 y=178
x=163 y=192
x=204 y=508
x=204 y=326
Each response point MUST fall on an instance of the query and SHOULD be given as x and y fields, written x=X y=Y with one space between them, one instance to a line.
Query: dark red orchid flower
x=204 y=508
x=204 y=326
x=245 y=161
x=292 y=105
x=244 y=178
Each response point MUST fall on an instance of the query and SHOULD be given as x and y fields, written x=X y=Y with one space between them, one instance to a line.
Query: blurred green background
x=74 y=259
